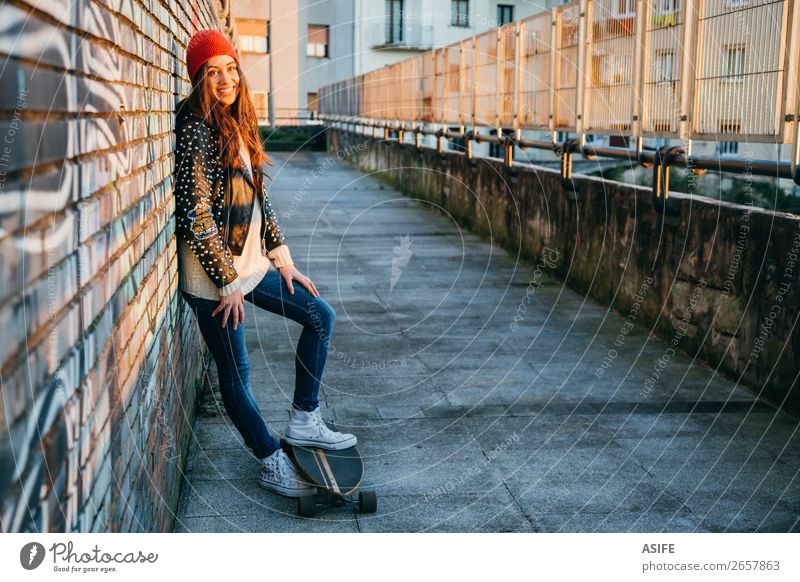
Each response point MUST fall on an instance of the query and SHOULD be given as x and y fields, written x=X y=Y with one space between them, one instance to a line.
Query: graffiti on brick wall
x=100 y=358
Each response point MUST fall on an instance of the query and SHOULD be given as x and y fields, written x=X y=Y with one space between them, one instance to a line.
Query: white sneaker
x=279 y=474
x=308 y=429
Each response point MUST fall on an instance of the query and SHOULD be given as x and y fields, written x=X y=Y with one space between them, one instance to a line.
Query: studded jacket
x=214 y=204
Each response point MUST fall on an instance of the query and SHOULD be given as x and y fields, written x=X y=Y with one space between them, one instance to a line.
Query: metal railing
x=680 y=69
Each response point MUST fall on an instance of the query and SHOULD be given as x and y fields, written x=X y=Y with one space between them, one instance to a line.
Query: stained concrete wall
x=717 y=280
x=99 y=356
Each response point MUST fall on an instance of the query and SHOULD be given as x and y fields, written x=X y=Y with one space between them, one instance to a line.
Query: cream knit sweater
x=251 y=265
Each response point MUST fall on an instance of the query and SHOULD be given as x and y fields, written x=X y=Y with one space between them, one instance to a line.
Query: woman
x=228 y=238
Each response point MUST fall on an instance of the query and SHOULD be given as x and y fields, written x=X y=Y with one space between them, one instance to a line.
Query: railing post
x=566 y=161
x=553 y=73
x=462 y=67
x=580 y=89
x=518 y=48
x=509 y=144
x=443 y=73
x=508 y=150
x=639 y=63
x=688 y=52
x=474 y=96
x=566 y=151
x=792 y=106
x=498 y=81
x=664 y=157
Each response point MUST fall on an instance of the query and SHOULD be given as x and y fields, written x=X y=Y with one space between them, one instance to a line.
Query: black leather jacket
x=214 y=204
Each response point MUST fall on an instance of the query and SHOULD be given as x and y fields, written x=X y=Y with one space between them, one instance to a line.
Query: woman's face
x=223 y=78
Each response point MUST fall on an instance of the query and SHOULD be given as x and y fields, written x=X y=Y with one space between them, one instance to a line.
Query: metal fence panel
x=440 y=82
x=665 y=50
x=567 y=23
x=739 y=70
x=507 y=69
x=486 y=73
x=404 y=89
x=536 y=82
x=451 y=81
x=355 y=95
x=470 y=57
x=609 y=94
x=426 y=86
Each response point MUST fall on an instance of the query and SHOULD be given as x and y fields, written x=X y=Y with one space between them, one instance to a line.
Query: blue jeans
x=229 y=349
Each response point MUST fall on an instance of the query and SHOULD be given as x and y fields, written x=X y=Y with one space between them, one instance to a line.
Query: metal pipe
x=775 y=169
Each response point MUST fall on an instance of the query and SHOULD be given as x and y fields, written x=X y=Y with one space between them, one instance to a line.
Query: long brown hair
x=240 y=115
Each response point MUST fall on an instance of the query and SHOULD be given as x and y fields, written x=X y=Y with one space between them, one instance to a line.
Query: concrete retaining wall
x=724 y=276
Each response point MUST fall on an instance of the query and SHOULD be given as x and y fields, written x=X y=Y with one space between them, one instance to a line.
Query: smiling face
x=222 y=76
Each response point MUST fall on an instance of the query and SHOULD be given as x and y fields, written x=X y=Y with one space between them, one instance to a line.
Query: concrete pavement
x=486 y=396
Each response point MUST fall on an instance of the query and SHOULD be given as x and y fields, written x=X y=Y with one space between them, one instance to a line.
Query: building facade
x=393 y=30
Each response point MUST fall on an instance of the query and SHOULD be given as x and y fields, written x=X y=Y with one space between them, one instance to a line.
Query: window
x=394 y=21
x=260 y=104
x=495 y=149
x=312 y=102
x=317 y=40
x=734 y=63
x=458 y=144
x=253 y=36
x=665 y=13
x=505 y=14
x=728 y=147
x=624 y=8
x=662 y=7
x=664 y=61
x=728 y=127
x=459 y=12
x=618 y=141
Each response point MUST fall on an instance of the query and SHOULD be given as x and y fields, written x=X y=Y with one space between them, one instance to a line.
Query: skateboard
x=337 y=476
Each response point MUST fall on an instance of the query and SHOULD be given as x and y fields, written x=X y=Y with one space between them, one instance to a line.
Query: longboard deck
x=340 y=472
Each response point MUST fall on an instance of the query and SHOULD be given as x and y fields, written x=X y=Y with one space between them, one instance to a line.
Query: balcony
x=411 y=36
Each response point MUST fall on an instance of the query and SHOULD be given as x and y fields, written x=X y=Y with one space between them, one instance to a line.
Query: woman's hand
x=289 y=272
x=232 y=305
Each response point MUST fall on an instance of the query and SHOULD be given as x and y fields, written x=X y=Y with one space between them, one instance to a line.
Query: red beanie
x=204 y=45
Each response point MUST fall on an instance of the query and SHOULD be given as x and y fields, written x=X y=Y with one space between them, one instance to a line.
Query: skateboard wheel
x=367 y=502
x=306 y=506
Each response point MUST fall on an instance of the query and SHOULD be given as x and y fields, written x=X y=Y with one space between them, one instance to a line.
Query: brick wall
x=725 y=277
x=100 y=357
